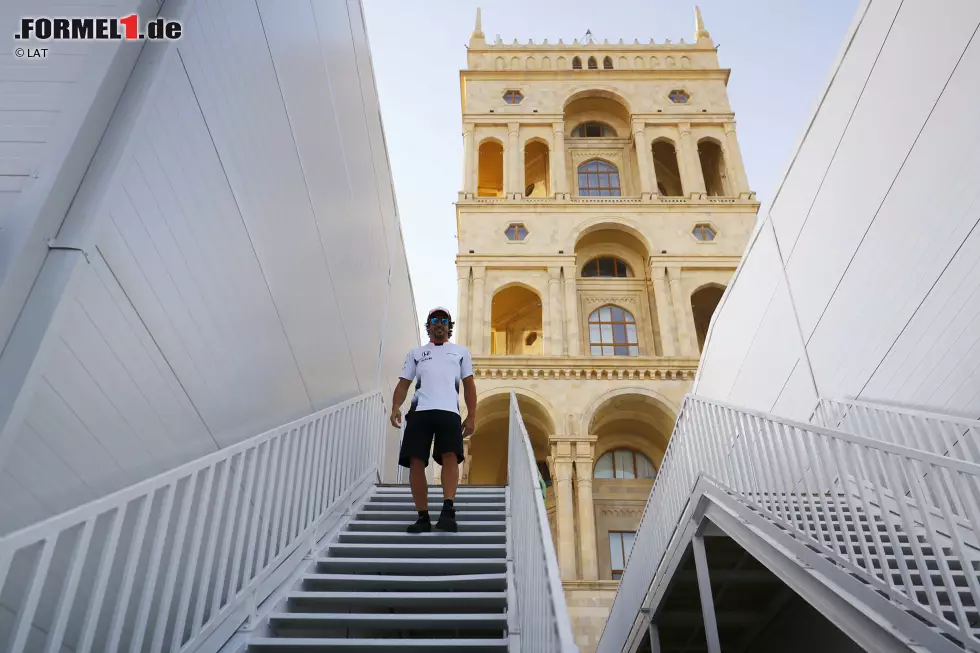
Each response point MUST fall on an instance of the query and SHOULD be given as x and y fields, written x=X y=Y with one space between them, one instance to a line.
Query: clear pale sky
x=780 y=53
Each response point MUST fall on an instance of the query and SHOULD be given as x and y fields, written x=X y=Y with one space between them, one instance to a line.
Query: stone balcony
x=651 y=368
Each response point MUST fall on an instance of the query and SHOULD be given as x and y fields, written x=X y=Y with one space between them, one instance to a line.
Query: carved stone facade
x=594 y=314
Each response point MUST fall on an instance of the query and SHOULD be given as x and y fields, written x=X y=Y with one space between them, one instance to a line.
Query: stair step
x=399 y=527
x=401 y=537
x=460 y=500
x=435 y=549
x=407 y=506
x=381 y=621
x=297 y=645
x=367 y=582
x=408 y=517
x=443 y=566
x=471 y=600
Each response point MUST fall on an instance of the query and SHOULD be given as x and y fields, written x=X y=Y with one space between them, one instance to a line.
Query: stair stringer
x=871 y=620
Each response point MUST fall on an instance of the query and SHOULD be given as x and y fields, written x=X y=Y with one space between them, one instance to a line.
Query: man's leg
x=450 y=476
x=420 y=487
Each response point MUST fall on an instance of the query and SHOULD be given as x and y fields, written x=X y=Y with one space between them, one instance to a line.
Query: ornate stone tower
x=604 y=208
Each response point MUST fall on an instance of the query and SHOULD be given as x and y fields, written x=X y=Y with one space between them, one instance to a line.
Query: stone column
x=683 y=315
x=513 y=157
x=559 y=180
x=462 y=306
x=644 y=159
x=692 y=177
x=733 y=159
x=572 y=345
x=477 y=327
x=555 y=317
x=584 y=462
x=665 y=317
x=469 y=159
x=564 y=508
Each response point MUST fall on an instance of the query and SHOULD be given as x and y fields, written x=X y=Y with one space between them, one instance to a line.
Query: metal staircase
x=872 y=518
x=378 y=588
x=287 y=542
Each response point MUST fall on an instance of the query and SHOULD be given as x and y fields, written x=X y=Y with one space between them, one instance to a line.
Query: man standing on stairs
x=437 y=368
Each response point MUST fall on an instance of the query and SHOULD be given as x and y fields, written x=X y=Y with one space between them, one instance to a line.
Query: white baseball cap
x=439 y=309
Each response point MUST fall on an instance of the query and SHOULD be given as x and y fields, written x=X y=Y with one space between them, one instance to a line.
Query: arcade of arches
x=625 y=431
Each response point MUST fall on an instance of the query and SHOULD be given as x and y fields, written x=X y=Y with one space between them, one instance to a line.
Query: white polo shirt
x=437 y=371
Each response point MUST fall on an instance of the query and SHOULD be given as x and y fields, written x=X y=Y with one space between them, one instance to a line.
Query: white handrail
x=539 y=620
x=798 y=475
x=956 y=437
x=161 y=564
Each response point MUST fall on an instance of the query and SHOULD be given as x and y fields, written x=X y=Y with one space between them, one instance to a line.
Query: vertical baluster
x=69 y=590
x=798 y=449
x=303 y=486
x=230 y=529
x=878 y=479
x=286 y=445
x=140 y=624
x=895 y=479
x=938 y=479
x=970 y=493
x=25 y=617
x=740 y=472
x=250 y=513
x=842 y=453
x=310 y=514
x=177 y=547
x=263 y=505
x=332 y=458
x=291 y=482
x=197 y=534
x=101 y=579
x=825 y=476
x=779 y=471
x=129 y=574
x=217 y=517
x=932 y=536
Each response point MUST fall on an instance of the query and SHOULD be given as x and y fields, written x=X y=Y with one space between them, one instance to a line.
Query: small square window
x=679 y=96
x=513 y=97
x=704 y=232
x=516 y=232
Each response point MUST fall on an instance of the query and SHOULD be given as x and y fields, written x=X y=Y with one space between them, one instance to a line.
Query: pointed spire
x=699 y=30
x=477 y=39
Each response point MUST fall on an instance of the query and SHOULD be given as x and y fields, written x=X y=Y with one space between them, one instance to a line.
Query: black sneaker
x=423 y=525
x=447 y=521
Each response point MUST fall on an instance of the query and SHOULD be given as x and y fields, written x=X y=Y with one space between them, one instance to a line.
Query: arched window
x=713 y=167
x=593 y=129
x=593 y=65
x=606 y=266
x=576 y=63
x=612 y=332
x=703 y=305
x=598 y=179
x=490 y=173
x=666 y=169
x=624 y=463
x=607 y=63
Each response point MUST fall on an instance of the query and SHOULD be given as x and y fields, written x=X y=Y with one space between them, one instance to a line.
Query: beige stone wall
x=588 y=607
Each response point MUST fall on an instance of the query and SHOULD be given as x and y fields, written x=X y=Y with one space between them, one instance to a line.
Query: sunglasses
x=438 y=320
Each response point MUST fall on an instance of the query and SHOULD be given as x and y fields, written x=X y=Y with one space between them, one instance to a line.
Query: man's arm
x=397 y=399
x=469 y=394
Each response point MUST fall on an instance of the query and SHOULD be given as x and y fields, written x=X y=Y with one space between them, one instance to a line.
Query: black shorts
x=420 y=428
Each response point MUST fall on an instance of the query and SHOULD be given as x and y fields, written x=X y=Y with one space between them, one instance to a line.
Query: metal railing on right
x=799 y=476
x=162 y=564
x=956 y=437
x=538 y=617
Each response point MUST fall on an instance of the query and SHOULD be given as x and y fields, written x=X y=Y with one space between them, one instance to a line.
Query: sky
x=780 y=53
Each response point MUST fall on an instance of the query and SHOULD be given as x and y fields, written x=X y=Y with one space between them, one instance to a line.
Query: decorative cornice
x=621 y=512
x=743 y=201
x=611 y=368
